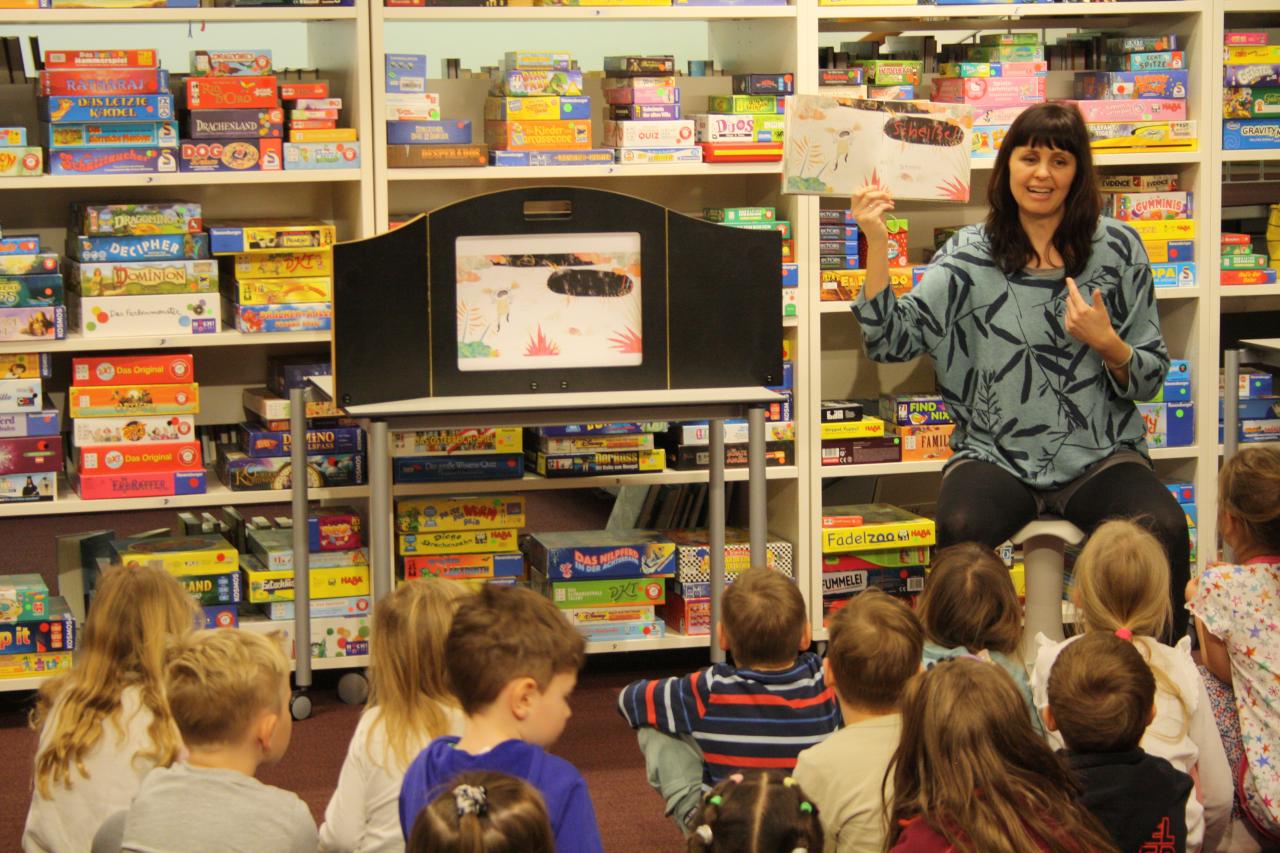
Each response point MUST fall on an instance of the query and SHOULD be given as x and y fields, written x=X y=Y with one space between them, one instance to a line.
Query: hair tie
x=715 y=800
x=788 y=782
x=735 y=778
x=1124 y=633
x=704 y=834
x=806 y=807
x=470 y=799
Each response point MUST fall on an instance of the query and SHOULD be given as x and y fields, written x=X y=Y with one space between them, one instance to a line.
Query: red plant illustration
x=541 y=345
x=954 y=190
x=626 y=341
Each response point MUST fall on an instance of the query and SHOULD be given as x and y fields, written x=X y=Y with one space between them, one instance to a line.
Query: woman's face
x=1040 y=178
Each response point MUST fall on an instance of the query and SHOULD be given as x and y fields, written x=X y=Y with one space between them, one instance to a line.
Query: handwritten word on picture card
x=915 y=149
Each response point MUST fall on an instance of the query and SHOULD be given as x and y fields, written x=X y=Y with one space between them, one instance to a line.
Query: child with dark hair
x=758 y=712
x=762 y=811
x=484 y=812
x=1102 y=697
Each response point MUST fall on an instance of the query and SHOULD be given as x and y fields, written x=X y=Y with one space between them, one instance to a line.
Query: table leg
x=715 y=531
x=301 y=545
x=381 y=529
x=757 y=487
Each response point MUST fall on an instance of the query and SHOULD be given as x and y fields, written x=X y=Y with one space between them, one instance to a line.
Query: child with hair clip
x=409 y=706
x=484 y=812
x=971 y=775
x=969 y=607
x=105 y=723
x=1121 y=587
x=762 y=811
x=1237 y=608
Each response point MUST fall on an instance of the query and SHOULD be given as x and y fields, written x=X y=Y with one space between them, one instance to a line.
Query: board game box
x=464 y=566
x=55 y=631
x=165 y=314
x=479 y=512
x=113 y=161
x=587 y=554
x=240 y=472
x=20 y=324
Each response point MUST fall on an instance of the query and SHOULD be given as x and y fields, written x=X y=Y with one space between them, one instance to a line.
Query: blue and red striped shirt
x=741 y=718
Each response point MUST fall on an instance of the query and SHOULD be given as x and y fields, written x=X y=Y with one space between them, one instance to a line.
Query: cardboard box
x=263 y=586
x=459 y=542
x=34 y=665
x=294 y=90
x=53 y=632
x=747 y=104
x=1137 y=109
x=989 y=91
x=861 y=451
x=31 y=291
x=524 y=82
x=121 y=316
x=873 y=527
x=162 y=134
x=889 y=558
x=1170 y=251
x=269 y=407
x=427 y=156
x=288 y=317
x=693 y=554
x=925 y=443
x=434 y=469
x=464 y=566
x=139 y=459
x=713 y=127
x=111 y=220
x=157 y=107
x=115 y=401
x=334 y=637
x=606 y=632
x=28 y=488
x=665 y=94
x=100 y=59
x=539 y=135
x=30 y=455
x=1176 y=274
x=26 y=365
x=146 y=429
x=1142 y=136
x=452 y=131
x=914 y=410
x=321 y=608
x=1247 y=102
x=620 y=592
x=596 y=554
x=764 y=84
x=231 y=155
x=256 y=441
x=21 y=425
x=132 y=369
x=230 y=63
x=1107 y=85
x=892 y=71
x=903 y=581
x=479 y=512
x=240 y=472
x=113 y=161
x=143 y=278
x=658 y=155
x=690 y=617
x=539 y=59
x=270 y=236
x=648 y=134
x=275 y=291
x=578 y=157
x=136 y=247
x=867 y=427
x=1263 y=74
x=84 y=82
x=21 y=324
x=178 y=555
x=1250 y=134
x=1148 y=206
x=230 y=93
x=456 y=441
x=259 y=265
x=273 y=548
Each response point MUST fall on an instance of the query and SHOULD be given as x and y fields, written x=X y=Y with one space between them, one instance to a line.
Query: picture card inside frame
x=915 y=149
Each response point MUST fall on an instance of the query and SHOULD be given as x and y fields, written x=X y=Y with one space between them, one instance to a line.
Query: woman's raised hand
x=869 y=204
x=1088 y=323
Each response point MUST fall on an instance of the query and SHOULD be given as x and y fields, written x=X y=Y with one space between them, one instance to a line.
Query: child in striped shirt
x=757 y=713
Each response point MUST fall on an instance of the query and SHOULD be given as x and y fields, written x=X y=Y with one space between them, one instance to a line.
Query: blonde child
x=1237 y=608
x=105 y=723
x=969 y=607
x=971 y=775
x=409 y=706
x=229 y=693
x=762 y=811
x=1122 y=587
x=484 y=812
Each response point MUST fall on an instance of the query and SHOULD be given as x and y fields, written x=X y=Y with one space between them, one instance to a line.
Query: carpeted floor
x=596 y=741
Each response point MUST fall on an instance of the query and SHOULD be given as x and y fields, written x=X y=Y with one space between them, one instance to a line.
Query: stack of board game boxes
x=642 y=114
x=687 y=609
x=921 y=424
x=851 y=435
x=1259 y=407
x=471 y=539
x=261 y=459
x=1240 y=264
x=468 y=538
x=842 y=249
x=1170 y=414
x=606 y=582
x=30 y=430
x=32 y=298
x=1163 y=216
x=522 y=129
x=232 y=113
x=17 y=158
x=315 y=139
x=1185 y=494
x=763 y=218
x=338 y=567
x=37 y=631
x=141 y=269
x=746 y=126
x=107 y=112
x=1140 y=101
x=1251 y=97
x=999 y=77
x=134 y=427
x=867 y=546
x=577 y=450
x=205 y=565
x=418 y=137
x=277 y=275
x=443 y=455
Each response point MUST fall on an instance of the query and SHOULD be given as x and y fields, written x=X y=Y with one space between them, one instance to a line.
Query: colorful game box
x=1250 y=134
x=31 y=455
x=139 y=458
x=230 y=63
x=621 y=592
x=107 y=108
x=231 y=155
x=55 y=631
x=31 y=291
x=873 y=527
x=20 y=324
x=119 y=400
x=24 y=424
x=272 y=585
x=143 y=278
x=274 y=291
x=132 y=369
x=178 y=555
x=282 y=264
x=271 y=317
x=241 y=472
x=458 y=542
x=145 y=429
x=176 y=314
x=274 y=548
x=228 y=93
x=28 y=488
x=269 y=236
x=111 y=220
x=452 y=442
x=464 y=566
x=538 y=135
x=693 y=554
x=321 y=155
x=455 y=132
x=588 y=554
x=139 y=247
x=537 y=109
x=112 y=161
x=256 y=441
x=524 y=82
x=483 y=512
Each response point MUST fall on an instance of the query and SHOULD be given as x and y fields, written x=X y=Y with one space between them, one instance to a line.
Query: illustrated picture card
x=537 y=301
x=915 y=149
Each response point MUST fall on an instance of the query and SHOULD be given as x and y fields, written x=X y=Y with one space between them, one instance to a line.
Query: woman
x=1043 y=328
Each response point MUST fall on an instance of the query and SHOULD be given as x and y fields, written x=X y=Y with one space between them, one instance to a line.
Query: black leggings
x=980 y=502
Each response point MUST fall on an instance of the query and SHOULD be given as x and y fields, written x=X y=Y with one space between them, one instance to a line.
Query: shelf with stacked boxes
x=181 y=179
x=205 y=15
x=935 y=16
x=75 y=342
x=483 y=14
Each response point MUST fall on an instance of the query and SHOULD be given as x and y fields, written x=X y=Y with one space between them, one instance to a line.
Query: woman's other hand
x=1090 y=324
x=869 y=204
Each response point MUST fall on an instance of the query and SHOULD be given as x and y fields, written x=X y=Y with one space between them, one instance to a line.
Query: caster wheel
x=353 y=688
x=300 y=706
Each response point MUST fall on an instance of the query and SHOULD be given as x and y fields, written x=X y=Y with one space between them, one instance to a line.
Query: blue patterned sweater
x=1025 y=394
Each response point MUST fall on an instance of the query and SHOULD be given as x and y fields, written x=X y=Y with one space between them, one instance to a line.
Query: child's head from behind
x=969 y=601
x=874 y=647
x=136 y=612
x=965 y=728
x=760 y=812
x=229 y=689
x=1122 y=581
x=408 y=682
x=765 y=623
x=1101 y=695
x=484 y=812
x=510 y=651
x=1249 y=500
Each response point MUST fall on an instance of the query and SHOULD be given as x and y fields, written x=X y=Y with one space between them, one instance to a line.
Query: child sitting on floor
x=761 y=811
x=484 y=812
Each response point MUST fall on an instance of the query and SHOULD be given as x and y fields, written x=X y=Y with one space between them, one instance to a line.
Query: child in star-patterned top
x=1237 y=610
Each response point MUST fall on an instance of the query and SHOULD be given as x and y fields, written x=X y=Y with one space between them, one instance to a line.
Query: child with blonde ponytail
x=409 y=706
x=1122 y=587
x=105 y=723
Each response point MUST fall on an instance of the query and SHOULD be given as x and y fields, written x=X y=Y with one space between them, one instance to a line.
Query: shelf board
x=1189 y=452
x=1178 y=292
x=68 y=503
x=182 y=179
x=276 y=14
x=534 y=482
x=1126 y=158
x=586 y=13
x=608 y=170
x=670 y=641
x=1230 y=6
x=1248 y=290
x=830 y=471
x=1263 y=154
x=227 y=338
x=33 y=682
x=1006 y=11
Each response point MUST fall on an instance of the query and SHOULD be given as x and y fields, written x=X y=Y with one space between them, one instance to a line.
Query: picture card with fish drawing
x=532 y=301
x=915 y=149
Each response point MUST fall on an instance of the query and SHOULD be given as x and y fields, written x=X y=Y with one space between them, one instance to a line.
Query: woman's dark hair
x=1061 y=127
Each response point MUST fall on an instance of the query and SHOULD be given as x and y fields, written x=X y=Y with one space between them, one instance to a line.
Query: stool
x=1043 y=542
